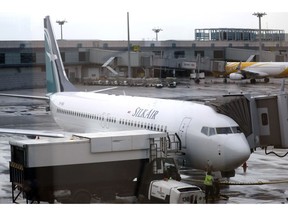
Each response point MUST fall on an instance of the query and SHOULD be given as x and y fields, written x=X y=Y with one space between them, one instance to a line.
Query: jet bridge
x=106 y=65
x=263 y=118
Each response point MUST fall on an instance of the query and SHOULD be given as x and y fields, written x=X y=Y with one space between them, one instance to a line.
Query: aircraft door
x=268 y=121
x=183 y=129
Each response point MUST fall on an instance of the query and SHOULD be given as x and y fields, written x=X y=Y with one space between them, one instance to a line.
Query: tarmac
x=265 y=180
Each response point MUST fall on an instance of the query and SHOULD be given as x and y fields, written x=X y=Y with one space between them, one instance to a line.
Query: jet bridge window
x=264 y=118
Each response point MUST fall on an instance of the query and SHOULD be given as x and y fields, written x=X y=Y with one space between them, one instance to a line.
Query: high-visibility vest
x=208 y=180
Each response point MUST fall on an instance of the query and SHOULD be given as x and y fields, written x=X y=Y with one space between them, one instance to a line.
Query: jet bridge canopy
x=262 y=118
x=236 y=107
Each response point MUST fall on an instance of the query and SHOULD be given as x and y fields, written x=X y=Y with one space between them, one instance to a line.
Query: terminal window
x=2 y=58
x=82 y=56
x=179 y=54
x=158 y=53
x=200 y=53
x=218 y=54
x=28 y=58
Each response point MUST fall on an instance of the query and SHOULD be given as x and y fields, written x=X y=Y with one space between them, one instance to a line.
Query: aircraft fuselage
x=90 y=112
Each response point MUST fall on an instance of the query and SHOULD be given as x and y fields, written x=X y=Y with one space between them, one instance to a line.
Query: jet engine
x=235 y=76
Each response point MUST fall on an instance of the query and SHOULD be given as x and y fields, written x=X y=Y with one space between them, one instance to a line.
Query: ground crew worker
x=216 y=187
x=208 y=182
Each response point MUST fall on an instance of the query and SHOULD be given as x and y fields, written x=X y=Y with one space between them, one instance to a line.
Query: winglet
x=56 y=79
x=239 y=66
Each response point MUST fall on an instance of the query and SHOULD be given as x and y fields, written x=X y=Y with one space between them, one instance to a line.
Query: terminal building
x=22 y=63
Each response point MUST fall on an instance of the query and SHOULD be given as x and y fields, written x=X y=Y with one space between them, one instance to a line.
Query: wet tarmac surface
x=265 y=180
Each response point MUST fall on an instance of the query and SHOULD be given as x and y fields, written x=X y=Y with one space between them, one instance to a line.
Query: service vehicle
x=175 y=192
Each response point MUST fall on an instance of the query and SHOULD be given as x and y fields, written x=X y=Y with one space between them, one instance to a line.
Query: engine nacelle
x=236 y=76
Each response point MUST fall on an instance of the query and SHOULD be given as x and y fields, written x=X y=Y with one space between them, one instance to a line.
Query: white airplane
x=207 y=137
x=256 y=70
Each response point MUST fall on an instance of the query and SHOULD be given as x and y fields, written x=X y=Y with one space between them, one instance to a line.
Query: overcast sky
x=107 y=19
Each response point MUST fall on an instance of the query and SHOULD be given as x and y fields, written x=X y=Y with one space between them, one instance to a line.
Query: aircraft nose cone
x=238 y=152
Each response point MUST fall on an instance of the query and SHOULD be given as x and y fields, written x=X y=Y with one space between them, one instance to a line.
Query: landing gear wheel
x=266 y=79
x=253 y=81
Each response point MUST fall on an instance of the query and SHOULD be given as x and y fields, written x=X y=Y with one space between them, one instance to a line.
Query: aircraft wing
x=253 y=73
x=26 y=96
x=106 y=89
x=31 y=132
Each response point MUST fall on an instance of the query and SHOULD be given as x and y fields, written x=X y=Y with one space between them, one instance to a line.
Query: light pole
x=61 y=23
x=129 y=57
x=260 y=15
x=157 y=30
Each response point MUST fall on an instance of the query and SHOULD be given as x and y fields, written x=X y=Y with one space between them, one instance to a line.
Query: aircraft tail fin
x=56 y=79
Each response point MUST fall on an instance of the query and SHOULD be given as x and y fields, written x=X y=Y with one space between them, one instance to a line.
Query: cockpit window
x=204 y=130
x=224 y=130
x=209 y=131
x=236 y=130
x=212 y=131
